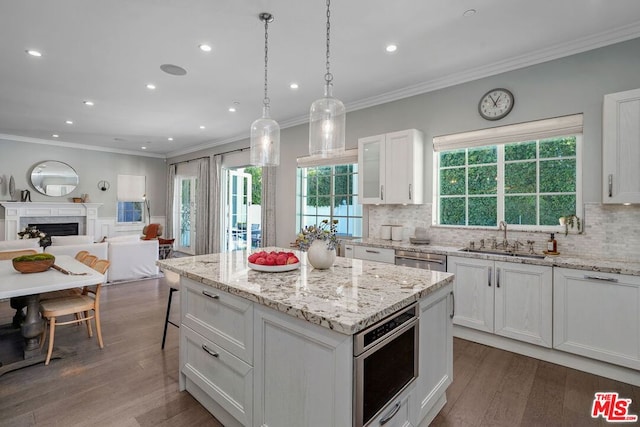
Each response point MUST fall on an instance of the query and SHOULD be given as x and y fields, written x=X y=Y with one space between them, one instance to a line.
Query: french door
x=241 y=217
x=185 y=217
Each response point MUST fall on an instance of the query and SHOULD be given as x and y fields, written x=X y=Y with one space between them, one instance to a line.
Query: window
x=329 y=192
x=131 y=199
x=529 y=184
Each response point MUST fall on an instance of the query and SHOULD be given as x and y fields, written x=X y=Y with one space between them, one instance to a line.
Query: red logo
x=612 y=408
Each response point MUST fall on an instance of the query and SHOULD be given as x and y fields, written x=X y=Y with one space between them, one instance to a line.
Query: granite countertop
x=570 y=261
x=347 y=298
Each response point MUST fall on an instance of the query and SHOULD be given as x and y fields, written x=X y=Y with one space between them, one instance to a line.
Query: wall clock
x=496 y=104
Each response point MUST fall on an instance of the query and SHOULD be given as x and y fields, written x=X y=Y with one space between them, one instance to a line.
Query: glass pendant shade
x=265 y=141
x=327 y=122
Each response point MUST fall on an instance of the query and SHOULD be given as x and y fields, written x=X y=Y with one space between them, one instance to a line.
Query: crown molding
x=78 y=146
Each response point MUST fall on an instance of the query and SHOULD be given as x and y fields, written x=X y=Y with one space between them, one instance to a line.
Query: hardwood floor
x=132 y=382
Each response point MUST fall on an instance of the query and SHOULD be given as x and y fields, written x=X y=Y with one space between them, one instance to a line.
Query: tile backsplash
x=610 y=231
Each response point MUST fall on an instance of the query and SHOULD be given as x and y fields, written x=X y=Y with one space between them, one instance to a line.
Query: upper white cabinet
x=597 y=315
x=391 y=168
x=621 y=147
x=509 y=299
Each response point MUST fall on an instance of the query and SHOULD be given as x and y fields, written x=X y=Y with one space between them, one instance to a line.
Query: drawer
x=397 y=413
x=220 y=317
x=375 y=254
x=222 y=376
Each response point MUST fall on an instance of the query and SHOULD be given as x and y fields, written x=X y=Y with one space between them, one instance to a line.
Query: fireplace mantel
x=15 y=211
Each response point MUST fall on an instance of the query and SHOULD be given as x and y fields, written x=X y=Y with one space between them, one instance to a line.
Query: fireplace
x=58 y=229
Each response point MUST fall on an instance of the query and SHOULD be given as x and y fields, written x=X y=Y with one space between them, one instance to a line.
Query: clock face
x=496 y=104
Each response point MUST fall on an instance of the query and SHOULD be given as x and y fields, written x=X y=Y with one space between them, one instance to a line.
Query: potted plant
x=570 y=222
x=32 y=232
x=319 y=241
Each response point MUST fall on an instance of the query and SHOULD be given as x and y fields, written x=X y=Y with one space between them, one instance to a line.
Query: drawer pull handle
x=208 y=350
x=606 y=279
x=371 y=251
x=391 y=414
x=453 y=305
x=610 y=185
x=210 y=295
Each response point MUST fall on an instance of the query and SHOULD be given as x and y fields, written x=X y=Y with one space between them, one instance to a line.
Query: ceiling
x=108 y=51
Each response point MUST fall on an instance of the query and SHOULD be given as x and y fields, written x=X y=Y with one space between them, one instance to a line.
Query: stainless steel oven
x=385 y=363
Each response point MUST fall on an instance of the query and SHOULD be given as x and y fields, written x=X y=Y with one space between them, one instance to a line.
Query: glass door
x=185 y=216
x=241 y=213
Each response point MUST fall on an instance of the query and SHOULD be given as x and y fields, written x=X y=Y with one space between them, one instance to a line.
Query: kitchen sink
x=504 y=253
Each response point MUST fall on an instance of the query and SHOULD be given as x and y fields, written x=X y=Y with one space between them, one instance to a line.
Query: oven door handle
x=391 y=414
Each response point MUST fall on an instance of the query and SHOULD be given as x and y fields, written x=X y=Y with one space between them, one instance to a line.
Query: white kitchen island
x=277 y=349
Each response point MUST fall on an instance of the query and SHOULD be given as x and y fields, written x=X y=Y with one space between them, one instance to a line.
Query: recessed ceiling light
x=201 y=127
x=33 y=52
x=69 y=122
x=144 y=148
x=294 y=86
x=469 y=12
x=55 y=135
x=89 y=103
x=391 y=48
x=169 y=139
x=151 y=86
x=232 y=109
x=205 y=48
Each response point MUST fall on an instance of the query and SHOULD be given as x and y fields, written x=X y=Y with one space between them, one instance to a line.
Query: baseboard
x=592 y=366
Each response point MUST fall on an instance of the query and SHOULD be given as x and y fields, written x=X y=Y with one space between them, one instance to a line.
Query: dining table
x=70 y=273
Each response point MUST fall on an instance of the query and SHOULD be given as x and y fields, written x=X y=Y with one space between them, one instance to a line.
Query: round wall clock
x=496 y=104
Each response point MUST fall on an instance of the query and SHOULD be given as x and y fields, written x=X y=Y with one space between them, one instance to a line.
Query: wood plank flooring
x=132 y=382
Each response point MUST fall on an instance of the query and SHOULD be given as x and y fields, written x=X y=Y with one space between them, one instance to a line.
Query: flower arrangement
x=325 y=231
x=32 y=232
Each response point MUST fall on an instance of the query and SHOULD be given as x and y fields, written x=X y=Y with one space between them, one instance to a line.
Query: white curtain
x=171 y=178
x=202 y=207
x=268 y=206
x=214 y=205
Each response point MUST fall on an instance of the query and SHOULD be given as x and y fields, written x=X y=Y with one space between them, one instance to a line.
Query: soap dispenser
x=552 y=244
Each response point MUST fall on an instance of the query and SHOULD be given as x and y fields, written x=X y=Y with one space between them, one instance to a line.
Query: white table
x=30 y=286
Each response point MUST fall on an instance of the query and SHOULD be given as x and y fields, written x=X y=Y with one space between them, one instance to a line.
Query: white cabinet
x=621 y=147
x=391 y=168
x=509 y=299
x=370 y=253
x=436 y=352
x=597 y=315
x=303 y=373
x=348 y=250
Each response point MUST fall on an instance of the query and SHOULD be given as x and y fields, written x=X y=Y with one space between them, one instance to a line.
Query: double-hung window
x=327 y=189
x=528 y=174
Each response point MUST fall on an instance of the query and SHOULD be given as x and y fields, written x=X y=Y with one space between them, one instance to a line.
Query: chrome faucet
x=505 y=242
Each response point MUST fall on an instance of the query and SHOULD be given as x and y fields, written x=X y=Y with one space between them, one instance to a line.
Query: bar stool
x=173 y=281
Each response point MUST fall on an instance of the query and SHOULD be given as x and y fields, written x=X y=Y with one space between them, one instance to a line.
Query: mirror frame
x=64 y=182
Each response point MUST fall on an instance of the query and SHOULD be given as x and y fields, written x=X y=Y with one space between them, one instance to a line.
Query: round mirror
x=54 y=178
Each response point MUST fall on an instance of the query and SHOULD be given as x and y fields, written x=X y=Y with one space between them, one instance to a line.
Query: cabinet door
x=404 y=161
x=523 y=302
x=371 y=169
x=597 y=315
x=436 y=350
x=303 y=373
x=473 y=290
x=621 y=147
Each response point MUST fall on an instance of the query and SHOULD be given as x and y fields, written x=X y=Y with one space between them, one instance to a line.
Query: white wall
x=575 y=84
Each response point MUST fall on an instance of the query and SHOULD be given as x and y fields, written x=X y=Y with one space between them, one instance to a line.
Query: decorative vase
x=319 y=256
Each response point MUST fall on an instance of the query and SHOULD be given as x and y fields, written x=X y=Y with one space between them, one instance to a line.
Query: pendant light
x=265 y=132
x=327 y=115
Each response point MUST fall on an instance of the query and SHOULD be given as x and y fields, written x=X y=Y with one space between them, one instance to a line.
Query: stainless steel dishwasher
x=426 y=261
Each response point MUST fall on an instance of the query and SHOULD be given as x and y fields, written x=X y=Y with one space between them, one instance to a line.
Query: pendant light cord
x=266 y=20
x=328 y=77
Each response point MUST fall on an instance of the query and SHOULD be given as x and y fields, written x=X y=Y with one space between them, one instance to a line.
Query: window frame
x=469 y=141
x=301 y=195
x=142 y=210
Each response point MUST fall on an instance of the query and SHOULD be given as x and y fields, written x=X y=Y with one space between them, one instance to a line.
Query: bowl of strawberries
x=273 y=262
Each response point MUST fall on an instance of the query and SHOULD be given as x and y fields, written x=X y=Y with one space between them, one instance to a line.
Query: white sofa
x=16 y=245
x=130 y=257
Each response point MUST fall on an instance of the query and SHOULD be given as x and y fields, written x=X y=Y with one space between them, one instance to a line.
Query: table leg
x=18 y=303
x=32 y=327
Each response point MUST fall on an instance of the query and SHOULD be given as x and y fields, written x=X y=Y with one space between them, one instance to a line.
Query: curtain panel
x=202 y=207
x=214 y=205
x=171 y=177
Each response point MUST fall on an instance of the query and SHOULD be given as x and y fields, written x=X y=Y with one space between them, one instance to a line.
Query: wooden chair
x=80 y=256
x=79 y=305
x=89 y=260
